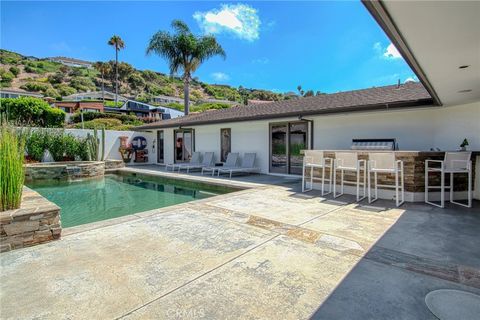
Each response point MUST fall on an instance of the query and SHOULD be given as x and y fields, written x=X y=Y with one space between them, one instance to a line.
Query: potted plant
x=464 y=144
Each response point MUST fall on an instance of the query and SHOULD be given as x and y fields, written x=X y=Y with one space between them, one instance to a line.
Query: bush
x=7 y=57
x=72 y=146
x=175 y=105
x=65 y=90
x=55 y=144
x=31 y=111
x=35 y=86
x=208 y=106
x=36 y=144
x=55 y=78
x=82 y=84
x=112 y=104
x=124 y=118
x=6 y=78
x=14 y=70
x=11 y=167
x=100 y=123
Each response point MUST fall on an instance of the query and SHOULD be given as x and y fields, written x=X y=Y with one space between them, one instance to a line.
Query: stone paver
x=264 y=253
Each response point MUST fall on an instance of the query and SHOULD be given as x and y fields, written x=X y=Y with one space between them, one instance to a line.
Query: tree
x=300 y=90
x=309 y=93
x=103 y=68
x=184 y=51
x=116 y=42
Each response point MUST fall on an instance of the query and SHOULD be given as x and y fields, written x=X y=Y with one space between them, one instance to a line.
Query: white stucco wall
x=414 y=129
x=112 y=142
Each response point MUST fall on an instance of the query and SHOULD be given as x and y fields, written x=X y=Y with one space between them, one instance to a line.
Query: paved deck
x=267 y=252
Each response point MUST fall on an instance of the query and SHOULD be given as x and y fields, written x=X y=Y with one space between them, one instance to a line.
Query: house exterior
x=145 y=110
x=10 y=93
x=167 y=99
x=71 y=107
x=95 y=95
x=71 y=62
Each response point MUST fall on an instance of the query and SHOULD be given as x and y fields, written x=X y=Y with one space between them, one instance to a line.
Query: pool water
x=118 y=195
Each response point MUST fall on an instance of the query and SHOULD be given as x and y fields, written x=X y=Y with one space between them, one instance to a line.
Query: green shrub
x=100 y=123
x=65 y=90
x=36 y=144
x=11 y=167
x=6 y=78
x=56 y=78
x=111 y=104
x=82 y=84
x=175 y=105
x=31 y=111
x=35 y=86
x=8 y=57
x=55 y=144
x=14 y=70
x=72 y=146
x=208 y=106
x=124 y=118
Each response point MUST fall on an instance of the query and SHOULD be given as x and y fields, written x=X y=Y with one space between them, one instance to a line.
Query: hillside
x=57 y=80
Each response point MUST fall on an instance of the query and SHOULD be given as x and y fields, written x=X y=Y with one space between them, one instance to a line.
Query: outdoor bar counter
x=414 y=166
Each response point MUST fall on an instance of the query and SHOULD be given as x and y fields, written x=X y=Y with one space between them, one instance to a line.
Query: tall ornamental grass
x=12 y=175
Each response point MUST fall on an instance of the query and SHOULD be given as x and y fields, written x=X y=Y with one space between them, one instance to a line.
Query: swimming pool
x=115 y=195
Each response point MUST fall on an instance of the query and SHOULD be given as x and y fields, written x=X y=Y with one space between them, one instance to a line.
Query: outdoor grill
x=374 y=144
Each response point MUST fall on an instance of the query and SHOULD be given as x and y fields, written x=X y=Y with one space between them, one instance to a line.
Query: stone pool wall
x=36 y=221
x=64 y=170
x=114 y=164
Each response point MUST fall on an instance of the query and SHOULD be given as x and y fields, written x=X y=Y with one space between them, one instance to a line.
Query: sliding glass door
x=183 y=144
x=287 y=139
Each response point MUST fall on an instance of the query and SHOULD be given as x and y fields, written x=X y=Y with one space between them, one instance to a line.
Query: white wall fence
x=112 y=142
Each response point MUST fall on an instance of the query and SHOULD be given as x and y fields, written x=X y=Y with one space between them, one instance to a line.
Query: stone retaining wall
x=36 y=221
x=64 y=170
x=114 y=164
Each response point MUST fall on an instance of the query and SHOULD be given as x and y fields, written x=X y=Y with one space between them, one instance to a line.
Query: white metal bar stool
x=384 y=162
x=454 y=162
x=315 y=159
x=348 y=161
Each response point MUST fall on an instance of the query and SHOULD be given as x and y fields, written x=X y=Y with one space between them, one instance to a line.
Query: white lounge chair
x=248 y=166
x=208 y=161
x=194 y=160
x=232 y=160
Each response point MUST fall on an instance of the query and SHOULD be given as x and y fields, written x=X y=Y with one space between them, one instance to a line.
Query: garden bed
x=64 y=170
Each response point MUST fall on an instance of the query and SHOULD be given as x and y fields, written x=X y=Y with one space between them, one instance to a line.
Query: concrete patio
x=266 y=252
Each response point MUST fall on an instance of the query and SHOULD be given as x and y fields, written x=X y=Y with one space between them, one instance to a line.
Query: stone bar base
x=414 y=176
x=36 y=221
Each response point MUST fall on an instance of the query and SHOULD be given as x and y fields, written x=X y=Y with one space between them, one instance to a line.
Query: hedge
x=31 y=111
x=124 y=118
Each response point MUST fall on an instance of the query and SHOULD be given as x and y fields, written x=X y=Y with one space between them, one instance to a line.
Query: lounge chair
x=208 y=161
x=248 y=166
x=232 y=160
x=194 y=160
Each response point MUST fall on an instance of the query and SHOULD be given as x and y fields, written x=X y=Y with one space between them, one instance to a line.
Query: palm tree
x=116 y=42
x=185 y=52
x=103 y=68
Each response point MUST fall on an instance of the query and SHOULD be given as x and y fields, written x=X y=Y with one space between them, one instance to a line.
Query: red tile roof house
x=71 y=107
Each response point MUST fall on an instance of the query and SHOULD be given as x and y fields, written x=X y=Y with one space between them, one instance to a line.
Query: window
x=160 y=148
x=225 y=143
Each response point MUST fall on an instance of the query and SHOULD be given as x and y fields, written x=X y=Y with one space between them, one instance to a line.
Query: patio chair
x=195 y=159
x=248 y=166
x=454 y=162
x=208 y=161
x=232 y=159
x=315 y=159
x=348 y=161
x=384 y=162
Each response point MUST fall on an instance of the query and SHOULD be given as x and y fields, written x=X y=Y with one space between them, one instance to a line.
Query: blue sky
x=326 y=46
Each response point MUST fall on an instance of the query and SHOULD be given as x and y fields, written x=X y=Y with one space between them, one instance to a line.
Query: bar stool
x=348 y=161
x=384 y=162
x=315 y=159
x=454 y=162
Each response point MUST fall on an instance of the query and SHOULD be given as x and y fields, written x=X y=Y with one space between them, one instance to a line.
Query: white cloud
x=240 y=19
x=411 y=79
x=220 y=76
x=390 y=52
x=263 y=60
